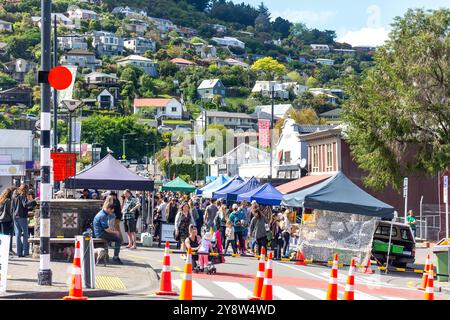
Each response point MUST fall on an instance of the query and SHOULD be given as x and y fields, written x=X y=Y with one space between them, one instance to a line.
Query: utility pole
x=55 y=97
x=45 y=273
x=168 y=170
x=271 y=130
x=204 y=147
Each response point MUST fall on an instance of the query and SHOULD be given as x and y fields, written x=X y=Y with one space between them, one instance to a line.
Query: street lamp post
x=271 y=130
x=93 y=152
x=71 y=105
x=123 y=143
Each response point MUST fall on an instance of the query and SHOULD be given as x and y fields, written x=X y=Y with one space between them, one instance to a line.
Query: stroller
x=212 y=260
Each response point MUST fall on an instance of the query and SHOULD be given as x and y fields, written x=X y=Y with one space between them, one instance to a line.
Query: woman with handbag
x=258 y=226
x=285 y=225
x=183 y=220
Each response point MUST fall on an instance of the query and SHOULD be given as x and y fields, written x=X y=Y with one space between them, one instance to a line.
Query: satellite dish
x=303 y=163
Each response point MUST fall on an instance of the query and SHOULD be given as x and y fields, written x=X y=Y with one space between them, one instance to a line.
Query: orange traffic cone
x=301 y=257
x=349 y=293
x=368 y=269
x=186 y=283
x=332 y=292
x=259 y=280
x=429 y=291
x=423 y=285
x=76 y=285
x=267 y=293
x=165 y=287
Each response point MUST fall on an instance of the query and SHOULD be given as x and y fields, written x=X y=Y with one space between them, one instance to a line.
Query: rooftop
x=181 y=61
x=224 y=114
x=151 y=102
x=310 y=128
x=135 y=58
x=79 y=52
x=208 y=84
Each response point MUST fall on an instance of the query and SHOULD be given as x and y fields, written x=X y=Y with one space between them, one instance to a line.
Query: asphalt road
x=235 y=278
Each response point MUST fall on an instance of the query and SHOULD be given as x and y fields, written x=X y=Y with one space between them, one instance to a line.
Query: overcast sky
x=358 y=22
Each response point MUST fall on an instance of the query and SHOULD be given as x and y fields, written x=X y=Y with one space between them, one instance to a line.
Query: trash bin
x=441 y=251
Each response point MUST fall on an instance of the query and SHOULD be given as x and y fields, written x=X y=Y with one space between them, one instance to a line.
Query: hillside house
x=18 y=68
x=107 y=43
x=101 y=79
x=209 y=88
x=229 y=42
x=82 y=14
x=140 y=45
x=159 y=108
x=149 y=66
x=326 y=62
x=81 y=58
x=136 y=26
x=320 y=48
x=5 y=26
x=182 y=63
x=74 y=41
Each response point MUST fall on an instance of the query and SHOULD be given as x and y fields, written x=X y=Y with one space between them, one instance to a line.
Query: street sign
x=405 y=187
x=124 y=157
x=4 y=257
x=445 y=189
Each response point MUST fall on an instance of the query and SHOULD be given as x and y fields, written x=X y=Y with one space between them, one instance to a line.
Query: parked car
x=126 y=163
x=183 y=128
x=164 y=129
x=31 y=116
x=140 y=167
x=403 y=244
x=133 y=161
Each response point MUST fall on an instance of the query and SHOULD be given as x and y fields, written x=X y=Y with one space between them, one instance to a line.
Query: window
x=287 y=157
x=384 y=231
x=315 y=158
x=174 y=109
x=163 y=109
x=329 y=152
x=406 y=234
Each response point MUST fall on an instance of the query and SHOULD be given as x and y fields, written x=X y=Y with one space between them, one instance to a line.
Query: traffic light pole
x=45 y=273
x=55 y=98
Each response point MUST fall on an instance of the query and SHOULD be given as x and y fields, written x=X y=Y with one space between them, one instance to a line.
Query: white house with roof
x=61 y=20
x=265 y=88
x=163 y=25
x=149 y=66
x=320 y=48
x=139 y=27
x=204 y=50
x=233 y=62
x=331 y=98
x=5 y=26
x=72 y=41
x=81 y=58
x=140 y=45
x=327 y=62
x=209 y=88
x=229 y=42
x=279 y=110
x=18 y=68
x=159 y=108
x=105 y=100
x=99 y=78
x=107 y=43
x=127 y=11
x=82 y=14
x=231 y=120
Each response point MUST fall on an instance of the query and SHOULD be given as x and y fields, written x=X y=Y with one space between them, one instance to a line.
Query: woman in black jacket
x=20 y=206
x=6 y=220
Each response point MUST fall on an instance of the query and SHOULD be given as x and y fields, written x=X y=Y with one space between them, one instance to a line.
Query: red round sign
x=60 y=78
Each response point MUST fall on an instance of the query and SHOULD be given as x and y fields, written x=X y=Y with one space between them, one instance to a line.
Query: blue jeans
x=21 y=231
x=111 y=237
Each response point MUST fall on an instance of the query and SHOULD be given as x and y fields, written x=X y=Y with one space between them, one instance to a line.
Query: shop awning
x=109 y=174
x=302 y=183
x=221 y=179
x=178 y=184
x=339 y=194
x=264 y=195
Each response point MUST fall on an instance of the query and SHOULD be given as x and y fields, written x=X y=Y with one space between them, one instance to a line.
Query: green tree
x=271 y=67
x=30 y=78
x=398 y=114
x=6 y=81
x=312 y=82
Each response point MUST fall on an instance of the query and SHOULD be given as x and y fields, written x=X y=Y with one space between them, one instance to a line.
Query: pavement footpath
x=131 y=279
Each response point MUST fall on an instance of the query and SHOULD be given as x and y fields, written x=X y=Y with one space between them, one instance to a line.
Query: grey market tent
x=109 y=174
x=339 y=194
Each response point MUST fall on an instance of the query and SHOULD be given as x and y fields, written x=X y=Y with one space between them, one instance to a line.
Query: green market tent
x=178 y=185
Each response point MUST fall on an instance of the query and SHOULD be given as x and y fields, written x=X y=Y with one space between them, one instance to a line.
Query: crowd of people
x=245 y=227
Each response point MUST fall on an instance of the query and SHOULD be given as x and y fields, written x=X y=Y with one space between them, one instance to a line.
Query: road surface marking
x=364 y=296
x=176 y=268
x=284 y=294
x=392 y=298
x=234 y=288
x=319 y=294
x=197 y=288
x=108 y=283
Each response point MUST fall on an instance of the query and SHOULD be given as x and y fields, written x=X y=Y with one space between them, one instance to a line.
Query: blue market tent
x=339 y=194
x=264 y=195
x=221 y=193
x=208 y=194
x=231 y=192
x=214 y=184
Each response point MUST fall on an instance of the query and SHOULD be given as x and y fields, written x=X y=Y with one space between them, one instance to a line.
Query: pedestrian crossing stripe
x=240 y=291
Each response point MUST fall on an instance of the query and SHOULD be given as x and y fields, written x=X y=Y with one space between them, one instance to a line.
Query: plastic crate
x=397 y=249
x=380 y=246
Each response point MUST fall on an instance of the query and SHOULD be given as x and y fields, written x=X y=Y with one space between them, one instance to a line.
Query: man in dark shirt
x=103 y=231
x=117 y=212
x=86 y=194
x=172 y=210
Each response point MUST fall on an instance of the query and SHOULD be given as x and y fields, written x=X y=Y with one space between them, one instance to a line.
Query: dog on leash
x=100 y=255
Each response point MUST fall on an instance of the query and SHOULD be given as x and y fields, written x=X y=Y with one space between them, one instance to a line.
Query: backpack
x=5 y=211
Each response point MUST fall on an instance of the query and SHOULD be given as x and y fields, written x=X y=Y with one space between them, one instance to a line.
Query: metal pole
x=123 y=147
x=69 y=136
x=204 y=148
x=271 y=129
x=389 y=248
x=421 y=202
x=154 y=160
x=168 y=170
x=45 y=273
x=55 y=98
x=405 y=191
